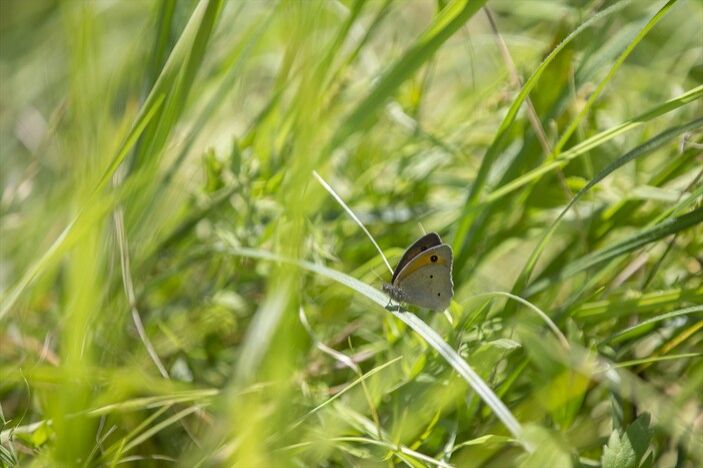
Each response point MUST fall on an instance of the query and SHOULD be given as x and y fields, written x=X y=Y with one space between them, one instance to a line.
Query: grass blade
x=421 y=328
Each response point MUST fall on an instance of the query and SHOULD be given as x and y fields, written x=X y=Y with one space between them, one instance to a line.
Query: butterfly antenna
x=422 y=228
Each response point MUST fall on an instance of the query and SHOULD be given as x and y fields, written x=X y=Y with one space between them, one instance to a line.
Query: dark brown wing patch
x=425 y=242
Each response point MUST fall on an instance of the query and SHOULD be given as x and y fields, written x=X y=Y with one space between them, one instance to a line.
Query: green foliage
x=196 y=198
x=628 y=449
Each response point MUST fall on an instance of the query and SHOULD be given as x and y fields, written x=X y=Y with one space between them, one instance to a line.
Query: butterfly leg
x=393 y=307
x=390 y=301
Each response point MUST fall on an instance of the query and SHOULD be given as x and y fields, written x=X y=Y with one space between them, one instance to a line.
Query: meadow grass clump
x=201 y=201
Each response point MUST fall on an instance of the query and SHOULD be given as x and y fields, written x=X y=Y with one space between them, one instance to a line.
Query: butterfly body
x=423 y=276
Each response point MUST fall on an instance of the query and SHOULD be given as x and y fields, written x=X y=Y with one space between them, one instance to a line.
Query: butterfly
x=423 y=276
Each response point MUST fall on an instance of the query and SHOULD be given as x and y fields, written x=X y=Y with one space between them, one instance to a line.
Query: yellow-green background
x=178 y=285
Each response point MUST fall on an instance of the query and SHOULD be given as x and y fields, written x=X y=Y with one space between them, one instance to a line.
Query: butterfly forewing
x=422 y=244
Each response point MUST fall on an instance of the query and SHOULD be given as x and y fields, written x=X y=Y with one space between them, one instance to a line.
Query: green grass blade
x=643 y=327
x=646 y=303
x=593 y=142
x=609 y=76
x=642 y=150
x=444 y=25
x=668 y=227
x=421 y=328
x=151 y=116
x=467 y=216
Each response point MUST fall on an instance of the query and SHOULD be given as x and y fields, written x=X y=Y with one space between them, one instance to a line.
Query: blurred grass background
x=156 y=154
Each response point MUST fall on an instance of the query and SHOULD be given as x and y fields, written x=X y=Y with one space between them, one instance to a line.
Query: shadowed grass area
x=197 y=198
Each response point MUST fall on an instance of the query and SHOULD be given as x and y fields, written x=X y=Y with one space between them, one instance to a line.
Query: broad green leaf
x=628 y=449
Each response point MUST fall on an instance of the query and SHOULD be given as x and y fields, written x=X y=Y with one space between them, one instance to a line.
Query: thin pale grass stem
x=359 y=380
x=650 y=360
x=99 y=440
x=146 y=435
x=118 y=217
x=353 y=216
x=515 y=77
x=133 y=458
x=352 y=384
x=347 y=361
x=341 y=357
x=395 y=448
x=532 y=116
x=560 y=336
x=369 y=400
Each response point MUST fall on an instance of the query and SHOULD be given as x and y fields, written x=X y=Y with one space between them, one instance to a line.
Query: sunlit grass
x=194 y=196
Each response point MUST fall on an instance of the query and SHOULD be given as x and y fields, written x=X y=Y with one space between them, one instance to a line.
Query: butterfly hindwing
x=426 y=280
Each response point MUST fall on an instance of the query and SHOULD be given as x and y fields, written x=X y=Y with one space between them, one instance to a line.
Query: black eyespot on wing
x=438 y=294
x=433 y=258
x=424 y=243
x=431 y=276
